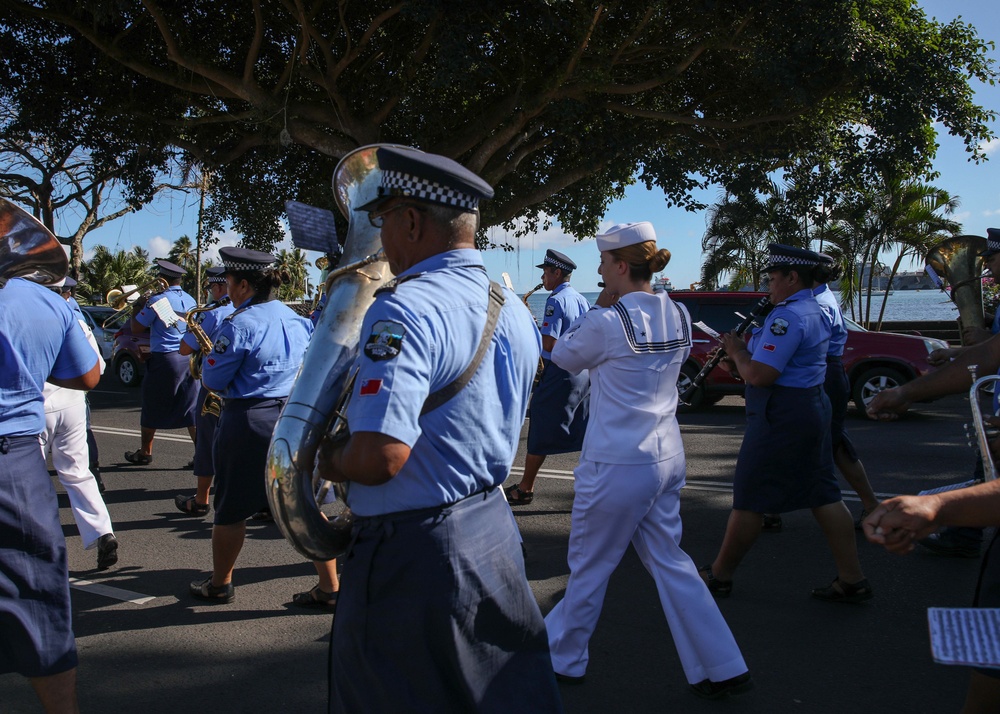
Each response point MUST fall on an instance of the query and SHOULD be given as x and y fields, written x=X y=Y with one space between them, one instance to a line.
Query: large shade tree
x=559 y=105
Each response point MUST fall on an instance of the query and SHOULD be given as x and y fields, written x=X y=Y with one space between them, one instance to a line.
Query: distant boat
x=662 y=285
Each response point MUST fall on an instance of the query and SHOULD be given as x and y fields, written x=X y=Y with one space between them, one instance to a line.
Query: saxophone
x=213 y=402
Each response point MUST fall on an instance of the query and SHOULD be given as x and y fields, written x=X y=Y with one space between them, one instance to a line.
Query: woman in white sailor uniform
x=786 y=461
x=169 y=393
x=205 y=423
x=627 y=486
x=258 y=350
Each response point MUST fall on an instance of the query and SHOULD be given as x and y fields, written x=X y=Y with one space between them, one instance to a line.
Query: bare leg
x=227 y=542
x=57 y=692
x=327 y=572
x=854 y=473
x=983 y=695
x=204 y=489
x=532 y=464
x=146 y=436
x=741 y=533
x=838 y=527
x=193 y=433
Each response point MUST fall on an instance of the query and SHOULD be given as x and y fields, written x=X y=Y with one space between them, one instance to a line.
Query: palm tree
x=183 y=254
x=739 y=230
x=108 y=270
x=295 y=264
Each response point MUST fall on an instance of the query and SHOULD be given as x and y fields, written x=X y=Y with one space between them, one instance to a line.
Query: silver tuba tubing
x=320 y=384
x=979 y=423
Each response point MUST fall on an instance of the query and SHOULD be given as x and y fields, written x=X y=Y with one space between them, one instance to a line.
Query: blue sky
x=977 y=186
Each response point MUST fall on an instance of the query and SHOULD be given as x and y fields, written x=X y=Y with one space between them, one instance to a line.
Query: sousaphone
x=957 y=260
x=27 y=248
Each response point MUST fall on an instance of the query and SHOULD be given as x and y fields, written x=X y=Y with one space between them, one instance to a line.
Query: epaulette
x=390 y=287
x=233 y=314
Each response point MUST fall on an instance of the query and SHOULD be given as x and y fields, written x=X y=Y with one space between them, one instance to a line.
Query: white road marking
x=108 y=591
x=135 y=432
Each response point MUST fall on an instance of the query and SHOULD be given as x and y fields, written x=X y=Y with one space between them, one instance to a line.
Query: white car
x=95 y=315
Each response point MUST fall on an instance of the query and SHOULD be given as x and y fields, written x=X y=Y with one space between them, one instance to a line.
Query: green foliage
x=107 y=270
x=559 y=105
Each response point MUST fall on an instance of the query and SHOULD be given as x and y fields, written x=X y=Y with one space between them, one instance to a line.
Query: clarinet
x=761 y=309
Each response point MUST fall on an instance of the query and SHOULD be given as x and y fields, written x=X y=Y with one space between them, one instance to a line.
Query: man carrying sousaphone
x=435 y=612
x=169 y=392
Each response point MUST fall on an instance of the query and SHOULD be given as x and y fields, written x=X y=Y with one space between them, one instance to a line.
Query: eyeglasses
x=377 y=218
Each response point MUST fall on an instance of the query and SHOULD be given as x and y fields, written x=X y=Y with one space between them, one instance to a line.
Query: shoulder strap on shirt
x=496 y=301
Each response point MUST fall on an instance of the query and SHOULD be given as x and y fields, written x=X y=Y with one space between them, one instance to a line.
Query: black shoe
x=839 y=591
x=264 y=516
x=942 y=544
x=190 y=505
x=771 y=523
x=107 y=551
x=707 y=689
x=204 y=590
x=138 y=458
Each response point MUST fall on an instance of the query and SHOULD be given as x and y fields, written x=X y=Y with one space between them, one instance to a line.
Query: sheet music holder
x=312 y=228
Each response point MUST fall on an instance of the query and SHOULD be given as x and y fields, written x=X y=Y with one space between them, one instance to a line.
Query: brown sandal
x=316 y=599
x=517 y=497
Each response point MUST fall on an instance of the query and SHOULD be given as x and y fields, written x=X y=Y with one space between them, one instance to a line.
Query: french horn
x=27 y=248
x=320 y=390
x=957 y=260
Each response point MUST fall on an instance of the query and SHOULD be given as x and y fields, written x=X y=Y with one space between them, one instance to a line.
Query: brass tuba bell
x=27 y=248
x=957 y=260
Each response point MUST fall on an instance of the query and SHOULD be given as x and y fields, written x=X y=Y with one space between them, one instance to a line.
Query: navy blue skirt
x=785 y=462
x=560 y=405
x=36 y=631
x=838 y=390
x=169 y=392
x=435 y=615
x=242 y=439
x=205 y=438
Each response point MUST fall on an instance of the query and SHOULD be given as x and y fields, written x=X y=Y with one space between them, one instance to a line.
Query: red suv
x=874 y=360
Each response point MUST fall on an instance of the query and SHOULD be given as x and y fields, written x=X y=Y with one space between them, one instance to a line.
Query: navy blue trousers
x=435 y=615
x=36 y=632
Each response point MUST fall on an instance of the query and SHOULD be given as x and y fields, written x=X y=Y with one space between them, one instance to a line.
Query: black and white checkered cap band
x=217 y=279
x=558 y=264
x=397 y=183
x=993 y=245
x=791 y=260
x=239 y=267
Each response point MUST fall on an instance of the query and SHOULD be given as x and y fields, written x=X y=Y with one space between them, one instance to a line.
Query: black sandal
x=718 y=588
x=839 y=591
x=316 y=599
x=517 y=497
x=138 y=458
x=190 y=505
x=771 y=523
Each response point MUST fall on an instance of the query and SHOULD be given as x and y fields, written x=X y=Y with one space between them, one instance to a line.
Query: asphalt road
x=146 y=646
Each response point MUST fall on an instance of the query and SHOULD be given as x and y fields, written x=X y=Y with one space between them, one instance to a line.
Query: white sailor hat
x=624 y=234
x=992 y=242
x=431 y=178
x=555 y=259
x=243 y=260
x=169 y=270
x=780 y=256
x=216 y=274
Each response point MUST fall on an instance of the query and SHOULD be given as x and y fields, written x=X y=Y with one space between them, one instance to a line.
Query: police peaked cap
x=240 y=260
x=216 y=274
x=992 y=242
x=555 y=259
x=170 y=270
x=621 y=235
x=787 y=256
x=410 y=173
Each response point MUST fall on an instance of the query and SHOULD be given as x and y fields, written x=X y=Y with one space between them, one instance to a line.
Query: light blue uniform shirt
x=838 y=327
x=210 y=322
x=415 y=340
x=74 y=305
x=794 y=339
x=562 y=308
x=258 y=351
x=162 y=338
x=40 y=337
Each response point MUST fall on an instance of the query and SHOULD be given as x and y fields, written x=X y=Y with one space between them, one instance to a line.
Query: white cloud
x=158 y=247
x=990 y=146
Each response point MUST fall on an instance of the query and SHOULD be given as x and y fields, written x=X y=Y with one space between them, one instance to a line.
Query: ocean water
x=900 y=305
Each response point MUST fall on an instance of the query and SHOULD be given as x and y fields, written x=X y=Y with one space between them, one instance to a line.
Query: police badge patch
x=550 y=310
x=222 y=344
x=386 y=340
x=779 y=326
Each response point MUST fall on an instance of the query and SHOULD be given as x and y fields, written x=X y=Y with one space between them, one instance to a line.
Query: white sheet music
x=965 y=635
x=706 y=329
x=166 y=313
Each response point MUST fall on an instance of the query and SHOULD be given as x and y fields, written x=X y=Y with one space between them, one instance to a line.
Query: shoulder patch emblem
x=550 y=310
x=385 y=341
x=222 y=344
x=779 y=326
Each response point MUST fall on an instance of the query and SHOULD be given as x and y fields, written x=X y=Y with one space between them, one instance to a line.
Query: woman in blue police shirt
x=786 y=461
x=258 y=350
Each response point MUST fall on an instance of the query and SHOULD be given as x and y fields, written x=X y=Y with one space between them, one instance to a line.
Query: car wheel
x=695 y=401
x=128 y=371
x=873 y=381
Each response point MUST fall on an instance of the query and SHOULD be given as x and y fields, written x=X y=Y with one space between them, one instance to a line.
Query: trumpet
x=118 y=298
x=979 y=423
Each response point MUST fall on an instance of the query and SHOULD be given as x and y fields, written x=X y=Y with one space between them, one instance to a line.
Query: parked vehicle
x=130 y=353
x=95 y=315
x=874 y=360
